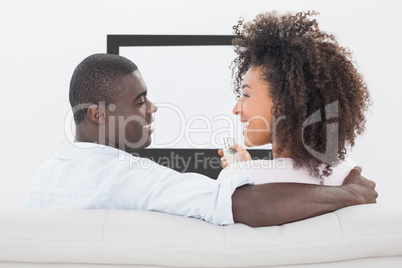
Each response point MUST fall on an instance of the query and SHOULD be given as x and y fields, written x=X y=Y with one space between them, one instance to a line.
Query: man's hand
x=279 y=203
x=361 y=189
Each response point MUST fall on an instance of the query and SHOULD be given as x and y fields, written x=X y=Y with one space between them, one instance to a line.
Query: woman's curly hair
x=307 y=71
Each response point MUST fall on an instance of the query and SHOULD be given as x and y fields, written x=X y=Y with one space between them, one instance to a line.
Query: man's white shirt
x=92 y=176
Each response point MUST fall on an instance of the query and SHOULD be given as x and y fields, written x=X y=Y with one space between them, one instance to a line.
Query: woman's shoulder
x=339 y=172
x=266 y=171
x=282 y=170
x=262 y=164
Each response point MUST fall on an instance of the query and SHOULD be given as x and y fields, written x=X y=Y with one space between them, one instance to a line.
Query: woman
x=297 y=89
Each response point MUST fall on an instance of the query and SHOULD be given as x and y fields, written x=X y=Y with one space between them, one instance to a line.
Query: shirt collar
x=69 y=150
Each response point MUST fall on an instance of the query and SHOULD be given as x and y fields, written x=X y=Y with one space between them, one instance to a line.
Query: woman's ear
x=97 y=114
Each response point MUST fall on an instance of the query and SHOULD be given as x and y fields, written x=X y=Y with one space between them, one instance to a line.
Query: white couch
x=358 y=236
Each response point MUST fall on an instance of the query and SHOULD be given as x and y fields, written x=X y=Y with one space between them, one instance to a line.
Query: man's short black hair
x=98 y=78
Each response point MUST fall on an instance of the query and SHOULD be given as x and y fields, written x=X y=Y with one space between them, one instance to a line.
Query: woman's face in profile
x=254 y=108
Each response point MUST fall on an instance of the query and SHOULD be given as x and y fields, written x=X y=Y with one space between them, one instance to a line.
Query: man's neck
x=83 y=134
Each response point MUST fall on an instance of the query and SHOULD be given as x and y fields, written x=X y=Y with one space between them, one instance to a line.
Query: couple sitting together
x=297 y=89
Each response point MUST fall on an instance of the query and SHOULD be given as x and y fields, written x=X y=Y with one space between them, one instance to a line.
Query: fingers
x=242 y=154
x=220 y=152
x=234 y=147
x=362 y=188
x=358 y=168
x=372 y=184
x=223 y=159
x=375 y=195
x=224 y=162
x=354 y=175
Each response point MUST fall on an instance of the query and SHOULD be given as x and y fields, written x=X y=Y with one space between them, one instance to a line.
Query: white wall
x=43 y=41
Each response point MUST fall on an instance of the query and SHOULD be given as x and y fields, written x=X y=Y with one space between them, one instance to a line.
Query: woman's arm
x=279 y=203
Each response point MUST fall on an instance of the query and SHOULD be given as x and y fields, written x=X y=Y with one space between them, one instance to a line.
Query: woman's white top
x=282 y=170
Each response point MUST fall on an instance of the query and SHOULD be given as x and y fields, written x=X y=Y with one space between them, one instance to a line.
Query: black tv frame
x=115 y=41
x=204 y=161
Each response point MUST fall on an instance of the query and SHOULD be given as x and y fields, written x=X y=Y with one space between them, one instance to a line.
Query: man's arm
x=279 y=203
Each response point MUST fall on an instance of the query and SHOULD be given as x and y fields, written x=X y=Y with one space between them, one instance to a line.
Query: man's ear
x=96 y=114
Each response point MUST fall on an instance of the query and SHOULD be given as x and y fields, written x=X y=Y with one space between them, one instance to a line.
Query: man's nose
x=152 y=108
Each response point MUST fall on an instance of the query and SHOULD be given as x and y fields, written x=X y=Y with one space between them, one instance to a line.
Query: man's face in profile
x=130 y=116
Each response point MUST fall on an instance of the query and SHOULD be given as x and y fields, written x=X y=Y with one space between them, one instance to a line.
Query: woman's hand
x=242 y=155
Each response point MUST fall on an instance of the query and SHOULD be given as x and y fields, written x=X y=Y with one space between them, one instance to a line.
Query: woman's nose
x=237 y=108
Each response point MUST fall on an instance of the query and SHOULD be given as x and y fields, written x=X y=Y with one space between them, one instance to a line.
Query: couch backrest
x=156 y=239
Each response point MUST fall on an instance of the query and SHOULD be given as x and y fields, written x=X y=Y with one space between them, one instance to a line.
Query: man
x=113 y=117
